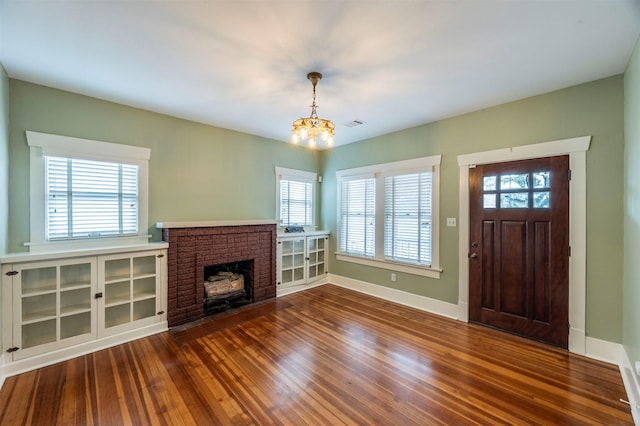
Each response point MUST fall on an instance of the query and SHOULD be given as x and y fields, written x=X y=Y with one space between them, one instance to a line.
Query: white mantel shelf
x=213 y=223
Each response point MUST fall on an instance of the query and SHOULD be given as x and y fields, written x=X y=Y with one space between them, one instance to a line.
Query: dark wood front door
x=519 y=248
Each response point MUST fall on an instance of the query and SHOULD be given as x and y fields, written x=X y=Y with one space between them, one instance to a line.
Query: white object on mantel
x=212 y=223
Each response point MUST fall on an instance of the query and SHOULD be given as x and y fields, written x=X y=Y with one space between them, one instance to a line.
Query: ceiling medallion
x=308 y=129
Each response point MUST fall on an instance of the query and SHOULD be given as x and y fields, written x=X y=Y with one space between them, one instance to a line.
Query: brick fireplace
x=192 y=248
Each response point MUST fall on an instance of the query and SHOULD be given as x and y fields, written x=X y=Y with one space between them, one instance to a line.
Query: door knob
x=473 y=256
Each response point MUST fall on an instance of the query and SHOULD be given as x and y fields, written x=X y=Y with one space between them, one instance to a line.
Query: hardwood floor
x=323 y=356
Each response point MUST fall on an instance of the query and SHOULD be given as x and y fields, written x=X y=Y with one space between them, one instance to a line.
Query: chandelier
x=308 y=129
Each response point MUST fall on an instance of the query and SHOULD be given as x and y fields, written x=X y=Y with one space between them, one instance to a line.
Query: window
x=295 y=197
x=76 y=190
x=357 y=217
x=86 y=193
x=407 y=218
x=388 y=215
x=517 y=191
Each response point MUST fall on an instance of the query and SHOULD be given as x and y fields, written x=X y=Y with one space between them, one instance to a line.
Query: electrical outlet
x=393 y=277
x=451 y=221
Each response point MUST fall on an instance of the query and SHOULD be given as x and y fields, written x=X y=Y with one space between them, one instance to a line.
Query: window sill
x=393 y=266
x=86 y=243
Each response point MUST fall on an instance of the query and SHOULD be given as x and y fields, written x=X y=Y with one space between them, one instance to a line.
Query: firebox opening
x=227 y=286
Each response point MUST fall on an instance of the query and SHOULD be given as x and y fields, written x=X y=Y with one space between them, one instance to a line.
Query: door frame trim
x=576 y=149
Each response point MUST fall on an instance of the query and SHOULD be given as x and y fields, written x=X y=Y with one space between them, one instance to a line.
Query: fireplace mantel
x=214 y=223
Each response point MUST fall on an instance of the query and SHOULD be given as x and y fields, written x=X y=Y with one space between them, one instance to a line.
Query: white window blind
x=357 y=217
x=296 y=202
x=90 y=198
x=408 y=218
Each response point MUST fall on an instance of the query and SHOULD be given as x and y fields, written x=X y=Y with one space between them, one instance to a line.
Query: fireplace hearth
x=197 y=253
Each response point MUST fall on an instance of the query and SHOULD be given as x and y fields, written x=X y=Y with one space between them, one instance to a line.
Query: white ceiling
x=242 y=64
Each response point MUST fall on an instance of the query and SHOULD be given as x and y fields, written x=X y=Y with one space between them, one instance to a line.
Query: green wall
x=230 y=175
x=4 y=169
x=594 y=109
x=196 y=172
x=4 y=159
x=631 y=290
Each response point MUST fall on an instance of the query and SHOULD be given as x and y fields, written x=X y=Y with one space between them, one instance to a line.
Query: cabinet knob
x=98 y=295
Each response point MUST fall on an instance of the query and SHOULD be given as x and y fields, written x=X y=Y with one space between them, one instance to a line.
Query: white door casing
x=576 y=148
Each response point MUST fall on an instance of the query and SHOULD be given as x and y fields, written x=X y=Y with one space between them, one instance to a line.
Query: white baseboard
x=631 y=385
x=301 y=287
x=423 y=303
x=603 y=350
x=12 y=368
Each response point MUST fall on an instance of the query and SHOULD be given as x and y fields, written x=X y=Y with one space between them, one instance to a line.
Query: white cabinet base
x=11 y=368
x=296 y=288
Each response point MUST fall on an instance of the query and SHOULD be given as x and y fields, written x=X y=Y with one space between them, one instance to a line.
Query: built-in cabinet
x=302 y=259
x=51 y=304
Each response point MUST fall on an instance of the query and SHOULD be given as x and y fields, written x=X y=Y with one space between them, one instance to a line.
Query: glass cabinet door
x=316 y=257
x=292 y=261
x=131 y=290
x=53 y=305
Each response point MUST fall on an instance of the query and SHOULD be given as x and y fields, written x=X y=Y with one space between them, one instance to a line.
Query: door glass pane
x=541 y=180
x=516 y=200
x=520 y=181
x=489 y=183
x=541 y=200
x=489 y=201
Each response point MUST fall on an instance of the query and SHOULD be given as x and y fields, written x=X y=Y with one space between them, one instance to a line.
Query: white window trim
x=379 y=171
x=43 y=144
x=297 y=175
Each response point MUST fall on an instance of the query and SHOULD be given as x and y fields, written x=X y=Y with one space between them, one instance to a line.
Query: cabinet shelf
x=29 y=294
x=143 y=296
x=117 y=279
x=38 y=317
x=117 y=301
x=75 y=309
x=143 y=276
x=74 y=286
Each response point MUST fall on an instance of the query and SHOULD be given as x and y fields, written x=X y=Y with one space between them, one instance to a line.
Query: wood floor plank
x=323 y=356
